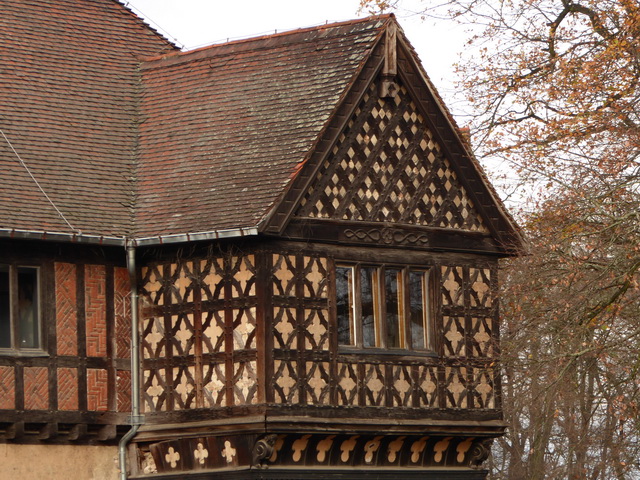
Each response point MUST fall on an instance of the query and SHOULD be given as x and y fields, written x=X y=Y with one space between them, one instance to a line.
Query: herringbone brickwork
x=123 y=391
x=95 y=310
x=66 y=309
x=36 y=388
x=121 y=307
x=96 y=389
x=67 y=389
x=7 y=388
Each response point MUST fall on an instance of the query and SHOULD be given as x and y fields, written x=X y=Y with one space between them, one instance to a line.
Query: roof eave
x=15 y=233
x=107 y=240
x=195 y=237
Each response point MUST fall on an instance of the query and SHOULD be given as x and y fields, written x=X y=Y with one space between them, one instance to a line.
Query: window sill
x=387 y=352
x=29 y=353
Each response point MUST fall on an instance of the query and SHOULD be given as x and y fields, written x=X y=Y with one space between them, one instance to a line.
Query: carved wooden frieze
x=200 y=453
x=318 y=451
x=386 y=236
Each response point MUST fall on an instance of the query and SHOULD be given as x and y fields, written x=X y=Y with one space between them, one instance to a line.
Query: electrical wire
x=22 y=162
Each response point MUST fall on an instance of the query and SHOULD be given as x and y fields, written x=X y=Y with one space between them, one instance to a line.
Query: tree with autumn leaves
x=554 y=85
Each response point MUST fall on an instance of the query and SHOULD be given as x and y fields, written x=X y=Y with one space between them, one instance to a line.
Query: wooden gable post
x=388 y=86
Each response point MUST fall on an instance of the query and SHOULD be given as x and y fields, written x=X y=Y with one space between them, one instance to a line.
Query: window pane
x=417 y=295
x=29 y=329
x=5 y=311
x=393 y=307
x=344 y=302
x=367 y=286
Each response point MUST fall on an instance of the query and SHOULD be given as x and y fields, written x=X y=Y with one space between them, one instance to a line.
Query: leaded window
x=384 y=306
x=19 y=308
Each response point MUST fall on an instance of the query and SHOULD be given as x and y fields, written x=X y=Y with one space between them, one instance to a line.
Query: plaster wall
x=58 y=462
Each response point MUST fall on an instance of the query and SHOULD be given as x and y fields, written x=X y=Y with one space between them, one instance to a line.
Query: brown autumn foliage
x=555 y=87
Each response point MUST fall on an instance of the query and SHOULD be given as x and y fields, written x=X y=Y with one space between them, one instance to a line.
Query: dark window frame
x=14 y=346
x=406 y=339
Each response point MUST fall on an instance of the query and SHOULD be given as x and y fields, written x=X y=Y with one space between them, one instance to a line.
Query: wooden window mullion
x=432 y=301
x=357 y=307
x=405 y=318
x=380 y=306
x=14 y=306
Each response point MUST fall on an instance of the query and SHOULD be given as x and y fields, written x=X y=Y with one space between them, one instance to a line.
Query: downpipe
x=136 y=419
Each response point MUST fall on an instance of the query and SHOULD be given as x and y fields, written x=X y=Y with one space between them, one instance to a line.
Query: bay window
x=384 y=306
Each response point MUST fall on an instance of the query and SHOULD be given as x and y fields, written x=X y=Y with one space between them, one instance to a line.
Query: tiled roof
x=223 y=129
x=109 y=130
x=68 y=104
x=130 y=137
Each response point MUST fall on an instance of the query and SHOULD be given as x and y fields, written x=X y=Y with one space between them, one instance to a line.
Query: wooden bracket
x=107 y=432
x=78 y=432
x=15 y=431
x=48 y=432
x=262 y=450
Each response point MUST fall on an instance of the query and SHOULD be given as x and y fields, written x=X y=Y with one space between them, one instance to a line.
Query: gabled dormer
x=393 y=169
x=356 y=326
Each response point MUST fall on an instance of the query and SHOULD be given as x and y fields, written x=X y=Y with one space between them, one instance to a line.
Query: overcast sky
x=195 y=23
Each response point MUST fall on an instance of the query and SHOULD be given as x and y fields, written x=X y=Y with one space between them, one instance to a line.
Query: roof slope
x=68 y=105
x=219 y=149
x=130 y=137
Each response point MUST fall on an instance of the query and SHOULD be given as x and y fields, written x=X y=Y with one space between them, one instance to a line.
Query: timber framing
x=295 y=228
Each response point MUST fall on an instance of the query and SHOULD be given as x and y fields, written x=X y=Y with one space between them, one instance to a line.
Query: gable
x=387 y=166
x=391 y=168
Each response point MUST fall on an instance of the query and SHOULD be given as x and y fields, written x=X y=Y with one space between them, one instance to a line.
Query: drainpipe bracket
x=135 y=419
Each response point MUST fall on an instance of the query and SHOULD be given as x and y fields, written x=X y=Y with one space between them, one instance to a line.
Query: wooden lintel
x=389 y=236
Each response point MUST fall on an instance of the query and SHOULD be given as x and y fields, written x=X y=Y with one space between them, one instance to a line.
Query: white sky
x=194 y=23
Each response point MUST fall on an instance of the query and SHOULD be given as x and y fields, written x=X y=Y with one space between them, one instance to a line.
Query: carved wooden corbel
x=479 y=452
x=262 y=450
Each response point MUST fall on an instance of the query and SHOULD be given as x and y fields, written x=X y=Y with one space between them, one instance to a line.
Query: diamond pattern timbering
x=387 y=167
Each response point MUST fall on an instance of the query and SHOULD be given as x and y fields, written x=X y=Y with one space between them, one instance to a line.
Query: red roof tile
x=183 y=142
x=224 y=128
x=68 y=104
x=129 y=137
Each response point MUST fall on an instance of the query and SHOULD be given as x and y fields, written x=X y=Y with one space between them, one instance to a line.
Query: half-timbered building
x=271 y=258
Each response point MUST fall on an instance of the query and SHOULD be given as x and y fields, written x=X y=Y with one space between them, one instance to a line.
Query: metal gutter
x=136 y=419
x=194 y=237
x=61 y=237
x=121 y=241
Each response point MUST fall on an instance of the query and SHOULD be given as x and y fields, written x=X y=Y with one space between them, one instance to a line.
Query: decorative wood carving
x=263 y=450
x=387 y=236
x=319 y=452
x=306 y=367
x=480 y=451
x=200 y=319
